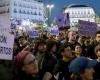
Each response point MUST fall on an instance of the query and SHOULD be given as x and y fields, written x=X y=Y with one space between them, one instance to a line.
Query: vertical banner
x=64 y=21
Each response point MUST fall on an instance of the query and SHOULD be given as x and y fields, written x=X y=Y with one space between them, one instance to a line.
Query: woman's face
x=31 y=66
x=78 y=49
x=88 y=74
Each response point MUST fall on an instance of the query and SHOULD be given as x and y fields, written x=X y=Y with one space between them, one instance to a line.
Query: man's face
x=67 y=53
x=72 y=36
x=98 y=38
x=88 y=74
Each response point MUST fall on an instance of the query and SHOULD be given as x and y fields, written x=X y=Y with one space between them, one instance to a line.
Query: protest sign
x=63 y=21
x=6 y=45
x=87 y=28
x=33 y=33
x=54 y=31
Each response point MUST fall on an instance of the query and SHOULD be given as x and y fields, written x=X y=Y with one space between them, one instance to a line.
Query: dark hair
x=78 y=44
x=50 y=44
x=64 y=46
x=39 y=42
x=98 y=32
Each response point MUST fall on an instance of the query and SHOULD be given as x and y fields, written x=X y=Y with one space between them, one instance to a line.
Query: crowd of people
x=69 y=56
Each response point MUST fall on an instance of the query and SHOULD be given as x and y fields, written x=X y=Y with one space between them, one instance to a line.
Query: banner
x=87 y=28
x=33 y=33
x=6 y=46
x=63 y=20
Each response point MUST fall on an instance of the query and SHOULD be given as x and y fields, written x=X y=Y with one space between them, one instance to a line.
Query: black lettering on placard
x=1 y=50
x=3 y=39
x=6 y=50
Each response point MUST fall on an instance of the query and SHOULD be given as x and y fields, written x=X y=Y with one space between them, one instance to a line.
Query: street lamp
x=50 y=6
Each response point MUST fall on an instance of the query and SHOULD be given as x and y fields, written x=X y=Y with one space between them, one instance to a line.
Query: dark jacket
x=6 y=70
x=23 y=76
x=91 y=50
x=97 y=71
x=48 y=64
x=63 y=70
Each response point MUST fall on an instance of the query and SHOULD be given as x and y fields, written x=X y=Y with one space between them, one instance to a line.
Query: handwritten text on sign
x=6 y=46
x=87 y=28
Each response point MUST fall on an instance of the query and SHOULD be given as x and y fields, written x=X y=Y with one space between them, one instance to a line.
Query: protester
x=91 y=47
x=82 y=68
x=78 y=50
x=61 y=67
x=26 y=66
x=82 y=41
x=50 y=58
x=97 y=67
x=72 y=35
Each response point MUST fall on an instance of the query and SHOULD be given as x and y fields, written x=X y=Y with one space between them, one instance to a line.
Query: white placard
x=6 y=46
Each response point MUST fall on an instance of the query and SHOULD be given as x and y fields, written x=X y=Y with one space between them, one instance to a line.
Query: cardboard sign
x=87 y=28
x=54 y=31
x=33 y=33
x=63 y=20
x=6 y=46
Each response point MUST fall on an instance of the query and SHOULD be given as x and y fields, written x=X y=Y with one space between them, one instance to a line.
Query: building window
x=15 y=11
x=35 y=7
x=28 y=12
x=23 y=5
x=15 y=4
x=20 y=5
x=31 y=7
x=40 y=14
x=31 y=13
x=8 y=11
x=35 y=13
x=24 y=12
x=20 y=11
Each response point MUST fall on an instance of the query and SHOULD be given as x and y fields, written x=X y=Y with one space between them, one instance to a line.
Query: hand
x=47 y=76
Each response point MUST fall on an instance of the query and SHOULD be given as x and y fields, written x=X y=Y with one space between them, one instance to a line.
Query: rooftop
x=75 y=6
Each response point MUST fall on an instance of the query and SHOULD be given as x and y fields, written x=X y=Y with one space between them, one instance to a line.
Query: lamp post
x=49 y=6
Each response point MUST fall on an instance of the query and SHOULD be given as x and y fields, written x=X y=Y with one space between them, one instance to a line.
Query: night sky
x=59 y=4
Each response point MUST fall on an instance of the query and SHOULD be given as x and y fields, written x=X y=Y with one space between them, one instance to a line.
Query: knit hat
x=81 y=63
x=19 y=61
